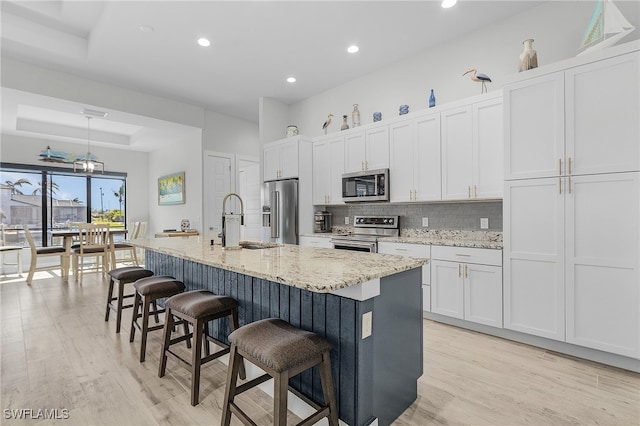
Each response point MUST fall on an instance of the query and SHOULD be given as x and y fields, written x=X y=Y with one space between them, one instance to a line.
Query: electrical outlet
x=425 y=221
x=367 y=324
x=346 y=220
x=484 y=223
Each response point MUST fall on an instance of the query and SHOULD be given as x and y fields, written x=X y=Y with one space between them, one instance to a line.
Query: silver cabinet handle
x=466 y=271
x=459 y=270
x=569 y=166
x=400 y=249
x=462 y=254
x=475 y=191
x=560 y=166
x=468 y=191
x=569 y=185
x=560 y=185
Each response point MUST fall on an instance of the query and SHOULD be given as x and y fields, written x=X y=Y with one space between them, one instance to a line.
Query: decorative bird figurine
x=326 y=123
x=478 y=76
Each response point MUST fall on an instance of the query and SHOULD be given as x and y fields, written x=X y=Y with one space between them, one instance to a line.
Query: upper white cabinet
x=472 y=151
x=579 y=121
x=367 y=150
x=328 y=167
x=414 y=159
x=280 y=159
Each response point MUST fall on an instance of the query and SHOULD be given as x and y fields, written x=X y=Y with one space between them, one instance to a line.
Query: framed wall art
x=171 y=189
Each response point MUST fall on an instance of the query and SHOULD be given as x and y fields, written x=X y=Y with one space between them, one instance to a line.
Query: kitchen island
x=326 y=291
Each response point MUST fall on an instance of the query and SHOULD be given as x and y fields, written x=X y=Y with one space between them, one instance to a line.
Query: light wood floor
x=58 y=353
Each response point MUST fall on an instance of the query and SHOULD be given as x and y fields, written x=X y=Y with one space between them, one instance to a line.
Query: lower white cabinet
x=421 y=251
x=320 y=242
x=467 y=284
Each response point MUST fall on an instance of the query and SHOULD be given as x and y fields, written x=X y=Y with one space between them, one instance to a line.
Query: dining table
x=68 y=236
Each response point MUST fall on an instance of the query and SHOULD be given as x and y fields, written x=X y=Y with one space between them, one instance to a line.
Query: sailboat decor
x=606 y=27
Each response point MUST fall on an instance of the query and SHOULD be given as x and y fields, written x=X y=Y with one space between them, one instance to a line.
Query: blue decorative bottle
x=432 y=100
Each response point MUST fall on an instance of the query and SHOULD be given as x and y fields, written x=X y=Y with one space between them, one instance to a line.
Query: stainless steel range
x=367 y=231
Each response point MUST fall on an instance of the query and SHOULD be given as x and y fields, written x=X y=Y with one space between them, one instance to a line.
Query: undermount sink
x=251 y=245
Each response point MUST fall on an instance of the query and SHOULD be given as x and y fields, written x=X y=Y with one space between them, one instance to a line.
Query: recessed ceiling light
x=204 y=42
x=448 y=3
x=291 y=79
x=146 y=28
x=353 y=49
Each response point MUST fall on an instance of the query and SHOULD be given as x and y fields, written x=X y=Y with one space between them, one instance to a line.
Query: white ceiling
x=255 y=46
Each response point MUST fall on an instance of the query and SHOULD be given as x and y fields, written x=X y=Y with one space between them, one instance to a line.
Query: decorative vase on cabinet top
x=355 y=116
x=528 y=57
x=345 y=125
x=292 y=130
x=432 y=99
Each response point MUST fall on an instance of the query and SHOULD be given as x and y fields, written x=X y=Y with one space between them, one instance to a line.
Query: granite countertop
x=455 y=238
x=315 y=269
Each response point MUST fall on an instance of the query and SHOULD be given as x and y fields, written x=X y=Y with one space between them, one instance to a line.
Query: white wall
x=223 y=133
x=556 y=26
x=184 y=156
x=26 y=150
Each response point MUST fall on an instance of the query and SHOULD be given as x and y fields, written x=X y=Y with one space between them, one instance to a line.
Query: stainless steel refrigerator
x=280 y=211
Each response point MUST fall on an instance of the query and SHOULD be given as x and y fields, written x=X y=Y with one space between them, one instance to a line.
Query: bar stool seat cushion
x=159 y=286
x=277 y=344
x=200 y=303
x=50 y=250
x=130 y=273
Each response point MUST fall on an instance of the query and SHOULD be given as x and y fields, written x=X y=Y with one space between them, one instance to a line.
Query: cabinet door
x=289 y=159
x=534 y=127
x=447 y=289
x=426 y=159
x=457 y=154
x=336 y=164
x=321 y=171
x=354 y=152
x=401 y=160
x=483 y=294
x=602 y=262
x=534 y=300
x=488 y=153
x=271 y=164
x=602 y=110
x=377 y=148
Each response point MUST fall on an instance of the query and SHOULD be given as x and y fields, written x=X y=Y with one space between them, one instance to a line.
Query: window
x=29 y=193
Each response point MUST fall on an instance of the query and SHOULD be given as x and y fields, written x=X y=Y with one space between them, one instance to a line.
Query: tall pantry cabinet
x=572 y=204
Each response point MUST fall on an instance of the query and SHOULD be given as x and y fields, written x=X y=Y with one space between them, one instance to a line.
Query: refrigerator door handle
x=275 y=214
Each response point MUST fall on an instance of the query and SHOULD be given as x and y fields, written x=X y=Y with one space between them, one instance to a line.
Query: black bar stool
x=282 y=351
x=148 y=291
x=121 y=277
x=197 y=308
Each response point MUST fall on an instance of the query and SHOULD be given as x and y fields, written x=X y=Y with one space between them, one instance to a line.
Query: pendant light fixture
x=88 y=165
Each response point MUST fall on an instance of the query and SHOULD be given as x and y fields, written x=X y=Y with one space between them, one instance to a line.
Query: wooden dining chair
x=93 y=242
x=38 y=252
x=129 y=249
x=8 y=248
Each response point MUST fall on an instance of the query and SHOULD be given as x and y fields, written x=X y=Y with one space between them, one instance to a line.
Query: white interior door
x=218 y=183
x=249 y=191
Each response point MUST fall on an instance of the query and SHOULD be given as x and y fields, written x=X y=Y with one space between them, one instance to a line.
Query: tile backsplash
x=460 y=216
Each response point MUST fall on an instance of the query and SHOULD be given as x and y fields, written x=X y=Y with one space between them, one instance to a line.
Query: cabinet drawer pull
x=461 y=254
x=400 y=249
x=459 y=270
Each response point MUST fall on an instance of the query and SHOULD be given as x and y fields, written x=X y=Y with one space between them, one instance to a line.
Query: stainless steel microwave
x=368 y=185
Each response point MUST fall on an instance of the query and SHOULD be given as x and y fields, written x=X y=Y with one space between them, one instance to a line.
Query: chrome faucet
x=225 y=216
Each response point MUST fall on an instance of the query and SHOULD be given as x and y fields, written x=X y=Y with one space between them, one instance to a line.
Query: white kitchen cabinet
x=572 y=260
x=534 y=296
x=421 y=251
x=414 y=159
x=280 y=159
x=367 y=149
x=328 y=167
x=467 y=284
x=602 y=108
x=472 y=151
x=319 y=242
x=595 y=106
x=602 y=262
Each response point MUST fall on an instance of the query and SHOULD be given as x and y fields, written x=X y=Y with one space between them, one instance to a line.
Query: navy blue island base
x=375 y=377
